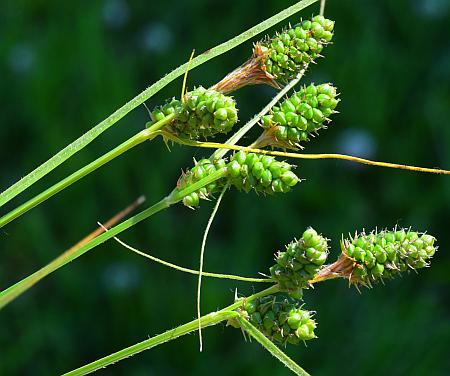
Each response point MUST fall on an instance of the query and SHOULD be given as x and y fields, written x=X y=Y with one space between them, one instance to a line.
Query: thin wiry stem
x=202 y=253
x=192 y=271
x=216 y=145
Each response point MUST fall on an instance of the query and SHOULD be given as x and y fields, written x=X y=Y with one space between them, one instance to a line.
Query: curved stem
x=10 y=293
x=193 y=271
x=215 y=145
x=92 y=134
x=202 y=254
x=82 y=172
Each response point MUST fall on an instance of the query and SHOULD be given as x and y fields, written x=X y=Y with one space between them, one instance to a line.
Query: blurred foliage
x=64 y=66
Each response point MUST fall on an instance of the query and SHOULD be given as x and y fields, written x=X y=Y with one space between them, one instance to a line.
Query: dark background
x=64 y=66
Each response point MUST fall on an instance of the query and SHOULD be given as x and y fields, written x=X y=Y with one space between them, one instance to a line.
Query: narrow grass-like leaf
x=92 y=134
x=17 y=289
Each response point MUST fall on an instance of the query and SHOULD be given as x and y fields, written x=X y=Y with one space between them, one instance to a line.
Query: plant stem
x=137 y=139
x=207 y=320
x=271 y=347
x=18 y=288
x=93 y=133
x=109 y=223
x=202 y=254
x=193 y=271
x=216 y=145
x=322 y=7
x=220 y=153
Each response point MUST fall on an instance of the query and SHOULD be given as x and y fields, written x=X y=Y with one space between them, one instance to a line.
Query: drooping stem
x=137 y=139
x=216 y=145
x=200 y=269
x=193 y=271
x=176 y=196
x=92 y=134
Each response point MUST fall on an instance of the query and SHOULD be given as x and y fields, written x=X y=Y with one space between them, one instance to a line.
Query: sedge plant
x=277 y=316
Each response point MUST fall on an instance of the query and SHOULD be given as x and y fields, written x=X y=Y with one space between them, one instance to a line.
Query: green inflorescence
x=385 y=254
x=203 y=113
x=300 y=262
x=281 y=319
x=301 y=115
x=290 y=51
x=262 y=173
x=246 y=171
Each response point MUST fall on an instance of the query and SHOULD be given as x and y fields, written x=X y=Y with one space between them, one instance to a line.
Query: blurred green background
x=64 y=66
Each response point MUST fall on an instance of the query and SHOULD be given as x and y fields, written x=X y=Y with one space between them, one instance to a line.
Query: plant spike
x=298 y=117
x=279 y=59
x=368 y=258
x=202 y=113
x=246 y=171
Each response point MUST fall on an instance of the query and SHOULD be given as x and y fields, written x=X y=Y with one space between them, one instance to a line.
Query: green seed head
x=262 y=173
x=279 y=59
x=246 y=171
x=299 y=117
x=300 y=262
x=368 y=258
x=281 y=319
x=204 y=113
x=288 y=52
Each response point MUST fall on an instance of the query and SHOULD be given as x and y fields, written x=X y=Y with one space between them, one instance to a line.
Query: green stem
x=18 y=288
x=207 y=320
x=82 y=172
x=193 y=271
x=271 y=347
x=92 y=134
x=220 y=153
